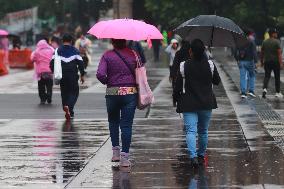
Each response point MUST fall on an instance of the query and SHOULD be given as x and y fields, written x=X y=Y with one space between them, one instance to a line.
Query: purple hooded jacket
x=113 y=72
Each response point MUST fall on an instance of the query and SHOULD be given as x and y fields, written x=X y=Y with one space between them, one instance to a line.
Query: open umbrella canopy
x=128 y=29
x=214 y=31
x=3 y=32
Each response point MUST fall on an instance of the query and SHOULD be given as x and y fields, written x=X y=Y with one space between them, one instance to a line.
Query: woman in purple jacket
x=116 y=70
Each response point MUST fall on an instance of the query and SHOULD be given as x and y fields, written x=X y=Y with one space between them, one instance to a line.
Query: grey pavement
x=39 y=150
x=160 y=158
x=270 y=110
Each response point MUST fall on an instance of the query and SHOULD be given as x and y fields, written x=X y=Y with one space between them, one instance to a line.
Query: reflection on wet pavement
x=47 y=152
x=160 y=159
x=269 y=110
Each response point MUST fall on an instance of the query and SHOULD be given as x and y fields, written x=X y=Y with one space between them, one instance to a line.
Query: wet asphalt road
x=39 y=150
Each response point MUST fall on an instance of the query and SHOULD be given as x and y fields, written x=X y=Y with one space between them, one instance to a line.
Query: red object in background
x=20 y=59
x=170 y=34
x=3 y=68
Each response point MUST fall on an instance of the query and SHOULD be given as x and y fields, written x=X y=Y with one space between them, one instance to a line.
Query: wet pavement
x=46 y=153
x=160 y=158
x=270 y=110
x=38 y=150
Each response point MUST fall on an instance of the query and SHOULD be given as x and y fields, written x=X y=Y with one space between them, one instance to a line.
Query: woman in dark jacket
x=195 y=99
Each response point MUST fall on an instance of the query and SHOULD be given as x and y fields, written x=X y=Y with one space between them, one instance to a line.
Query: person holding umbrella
x=195 y=99
x=116 y=70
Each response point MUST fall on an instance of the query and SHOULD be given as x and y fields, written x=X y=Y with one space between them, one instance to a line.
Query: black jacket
x=247 y=53
x=198 y=87
x=71 y=62
x=181 y=55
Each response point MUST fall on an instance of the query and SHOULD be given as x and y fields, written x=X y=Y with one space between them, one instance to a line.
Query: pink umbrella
x=128 y=29
x=3 y=33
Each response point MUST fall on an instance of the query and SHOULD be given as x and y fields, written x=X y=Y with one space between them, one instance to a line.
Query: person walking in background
x=181 y=55
x=171 y=51
x=4 y=47
x=247 y=59
x=17 y=43
x=266 y=34
x=41 y=58
x=156 y=49
x=195 y=99
x=71 y=62
x=116 y=70
x=136 y=45
x=83 y=44
x=55 y=42
x=271 y=59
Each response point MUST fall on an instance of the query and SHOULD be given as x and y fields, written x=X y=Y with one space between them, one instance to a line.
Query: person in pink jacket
x=41 y=58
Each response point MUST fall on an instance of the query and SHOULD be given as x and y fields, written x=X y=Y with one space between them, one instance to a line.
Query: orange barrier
x=3 y=68
x=20 y=59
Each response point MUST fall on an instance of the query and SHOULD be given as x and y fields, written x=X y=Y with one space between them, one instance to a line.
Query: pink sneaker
x=115 y=154
x=67 y=112
x=124 y=160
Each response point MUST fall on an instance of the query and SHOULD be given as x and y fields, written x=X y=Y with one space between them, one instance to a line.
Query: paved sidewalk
x=270 y=110
x=160 y=157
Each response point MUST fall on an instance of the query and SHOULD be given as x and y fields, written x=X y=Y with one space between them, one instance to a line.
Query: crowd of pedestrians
x=192 y=74
x=270 y=60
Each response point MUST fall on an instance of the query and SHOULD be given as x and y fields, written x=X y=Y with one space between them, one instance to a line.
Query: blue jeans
x=121 y=110
x=197 y=122
x=247 y=72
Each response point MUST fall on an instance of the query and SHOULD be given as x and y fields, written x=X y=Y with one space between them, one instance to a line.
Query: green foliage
x=254 y=14
x=49 y=8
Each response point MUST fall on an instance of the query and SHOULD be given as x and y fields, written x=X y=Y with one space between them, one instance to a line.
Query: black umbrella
x=214 y=31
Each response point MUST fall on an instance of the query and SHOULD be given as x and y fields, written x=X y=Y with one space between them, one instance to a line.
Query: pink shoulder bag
x=145 y=94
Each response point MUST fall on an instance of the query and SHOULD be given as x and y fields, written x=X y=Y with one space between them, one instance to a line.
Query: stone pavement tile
x=163 y=105
x=46 y=153
x=258 y=186
x=97 y=171
x=272 y=186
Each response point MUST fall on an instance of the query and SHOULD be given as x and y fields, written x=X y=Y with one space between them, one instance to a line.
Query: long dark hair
x=197 y=47
x=118 y=43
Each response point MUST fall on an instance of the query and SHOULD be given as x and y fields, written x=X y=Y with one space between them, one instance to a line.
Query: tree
x=254 y=14
x=80 y=11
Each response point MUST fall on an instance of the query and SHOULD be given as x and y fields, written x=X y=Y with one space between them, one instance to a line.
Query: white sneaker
x=115 y=154
x=243 y=96
x=279 y=95
x=252 y=94
x=265 y=90
x=124 y=160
